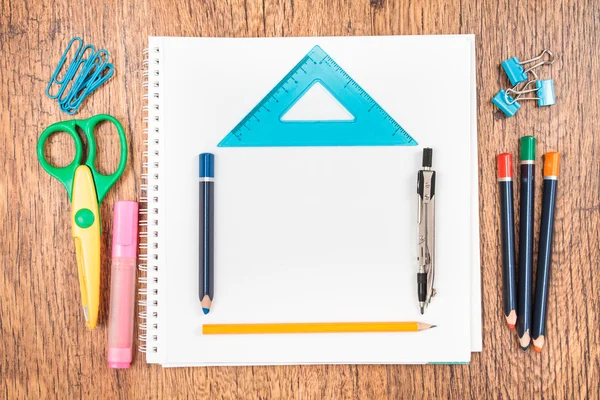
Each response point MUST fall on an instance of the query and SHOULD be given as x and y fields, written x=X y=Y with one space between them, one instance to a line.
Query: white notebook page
x=315 y=234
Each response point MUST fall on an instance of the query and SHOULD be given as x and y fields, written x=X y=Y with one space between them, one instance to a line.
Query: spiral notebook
x=308 y=234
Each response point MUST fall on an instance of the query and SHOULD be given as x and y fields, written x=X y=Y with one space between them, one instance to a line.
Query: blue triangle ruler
x=371 y=126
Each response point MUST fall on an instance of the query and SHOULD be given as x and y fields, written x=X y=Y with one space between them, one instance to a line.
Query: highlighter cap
x=119 y=357
x=125 y=229
x=527 y=148
x=505 y=166
x=551 y=164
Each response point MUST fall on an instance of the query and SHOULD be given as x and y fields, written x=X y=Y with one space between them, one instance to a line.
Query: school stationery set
x=522 y=75
x=80 y=71
x=280 y=222
x=521 y=308
x=303 y=252
x=309 y=201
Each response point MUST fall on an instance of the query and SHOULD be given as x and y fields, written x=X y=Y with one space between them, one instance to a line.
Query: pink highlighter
x=122 y=285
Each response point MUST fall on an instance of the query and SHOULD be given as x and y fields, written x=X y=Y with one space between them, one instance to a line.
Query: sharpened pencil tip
x=205 y=303
x=538 y=343
x=525 y=340
x=511 y=319
x=432 y=326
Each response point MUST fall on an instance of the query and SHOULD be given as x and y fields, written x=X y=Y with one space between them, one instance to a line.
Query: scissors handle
x=103 y=182
x=66 y=174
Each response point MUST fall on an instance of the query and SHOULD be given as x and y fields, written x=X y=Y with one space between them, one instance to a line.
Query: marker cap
x=551 y=163
x=125 y=229
x=207 y=165
x=527 y=148
x=505 y=165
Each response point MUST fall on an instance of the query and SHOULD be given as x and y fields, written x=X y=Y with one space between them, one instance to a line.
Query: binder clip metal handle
x=515 y=69
x=544 y=90
x=513 y=94
x=508 y=105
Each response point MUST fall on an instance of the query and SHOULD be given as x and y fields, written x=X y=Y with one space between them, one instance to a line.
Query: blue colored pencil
x=206 y=243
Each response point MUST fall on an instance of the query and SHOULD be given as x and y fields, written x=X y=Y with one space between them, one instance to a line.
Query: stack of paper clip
x=87 y=71
x=525 y=81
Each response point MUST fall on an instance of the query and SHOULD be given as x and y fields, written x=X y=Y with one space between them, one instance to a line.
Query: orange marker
x=551 y=164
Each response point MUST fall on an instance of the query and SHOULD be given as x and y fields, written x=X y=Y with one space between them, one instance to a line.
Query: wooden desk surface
x=47 y=352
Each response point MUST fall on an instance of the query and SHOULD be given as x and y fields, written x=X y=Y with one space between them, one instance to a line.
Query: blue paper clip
x=88 y=70
x=72 y=104
x=71 y=68
x=78 y=67
x=516 y=71
x=90 y=83
x=85 y=49
x=91 y=69
x=506 y=103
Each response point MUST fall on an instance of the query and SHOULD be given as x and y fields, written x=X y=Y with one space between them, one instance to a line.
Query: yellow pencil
x=313 y=327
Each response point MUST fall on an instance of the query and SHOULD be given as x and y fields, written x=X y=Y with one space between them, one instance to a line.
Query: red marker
x=507 y=232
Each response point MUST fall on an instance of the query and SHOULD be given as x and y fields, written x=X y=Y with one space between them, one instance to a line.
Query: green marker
x=524 y=309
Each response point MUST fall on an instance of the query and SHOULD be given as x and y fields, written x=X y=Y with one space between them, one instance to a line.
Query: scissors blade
x=86 y=232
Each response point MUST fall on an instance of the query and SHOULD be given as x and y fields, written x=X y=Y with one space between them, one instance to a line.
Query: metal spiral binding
x=149 y=206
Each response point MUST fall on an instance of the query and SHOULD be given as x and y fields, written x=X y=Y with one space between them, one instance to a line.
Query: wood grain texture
x=46 y=351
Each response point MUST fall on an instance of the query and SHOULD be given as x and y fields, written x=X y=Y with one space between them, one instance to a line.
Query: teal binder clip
x=508 y=105
x=264 y=127
x=543 y=89
x=515 y=69
x=545 y=92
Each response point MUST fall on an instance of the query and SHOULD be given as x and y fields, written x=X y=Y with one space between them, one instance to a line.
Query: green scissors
x=86 y=188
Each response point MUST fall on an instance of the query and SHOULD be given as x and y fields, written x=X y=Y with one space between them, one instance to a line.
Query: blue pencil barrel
x=544 y=258
x=206 y=239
